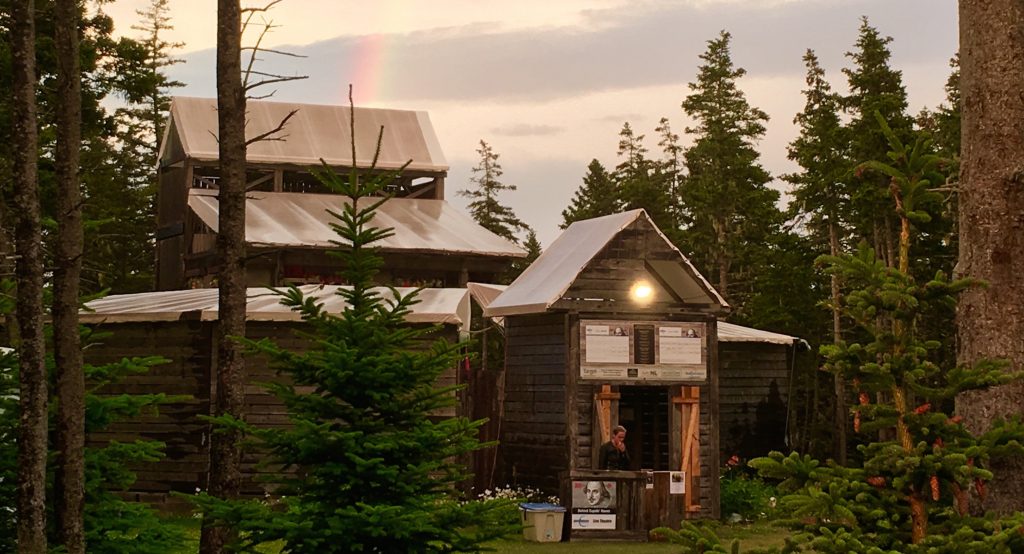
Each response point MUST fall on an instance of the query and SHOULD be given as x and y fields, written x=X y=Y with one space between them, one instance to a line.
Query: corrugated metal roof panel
x=730 y=332
x=302 y=219
x=443 y=306
x=547 y=279
x=315 y=132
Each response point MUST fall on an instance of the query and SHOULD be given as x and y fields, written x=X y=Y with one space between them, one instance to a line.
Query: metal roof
x=730 y=332
x=315 y=132
x=302 y=219
x=442 y=306
x=551 y=275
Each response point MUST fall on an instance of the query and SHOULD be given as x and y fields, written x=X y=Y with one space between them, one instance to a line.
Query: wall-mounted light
x=641 y=292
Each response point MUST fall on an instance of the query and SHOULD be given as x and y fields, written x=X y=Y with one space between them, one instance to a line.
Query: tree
x=32 y=387
x=820 y=193
x=597 y=196
x=225 y=448
x=640 y=183
x=67 y=347
x=671 y=167
x=874 y=87
x=376 y=471
x=533 y=251
x=990 y=320
x=909 y=493
x=485 y=207
x=728 y=209
x=155 y=100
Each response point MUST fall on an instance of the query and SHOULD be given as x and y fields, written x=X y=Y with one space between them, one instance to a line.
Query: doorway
x=644 y=412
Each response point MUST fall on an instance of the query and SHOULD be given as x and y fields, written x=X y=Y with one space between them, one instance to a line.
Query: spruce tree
x=484 y=206
x=874 y=87
x=640 y=183
x=373 y=469
x=671 y=167
x=821 y=196
x=597 y=196
x=910 y=491
x=728 y=209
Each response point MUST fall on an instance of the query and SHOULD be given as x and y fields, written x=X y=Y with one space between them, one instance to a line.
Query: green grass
x=751 y=536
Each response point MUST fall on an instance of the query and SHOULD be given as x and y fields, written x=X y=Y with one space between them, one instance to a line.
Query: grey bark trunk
x=990 y=320
x=29 y=275
x=837 y=335
x=69 y=490
x=225 y=451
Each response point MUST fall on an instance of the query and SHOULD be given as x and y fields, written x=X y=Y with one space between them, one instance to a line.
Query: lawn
x=750 y=536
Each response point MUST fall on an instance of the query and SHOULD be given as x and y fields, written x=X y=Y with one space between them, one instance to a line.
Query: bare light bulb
x=641 y=291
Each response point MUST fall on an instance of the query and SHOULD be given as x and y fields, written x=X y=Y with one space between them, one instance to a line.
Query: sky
x=549 y=84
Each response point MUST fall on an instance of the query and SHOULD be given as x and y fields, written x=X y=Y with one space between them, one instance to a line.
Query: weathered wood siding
x=754 y=394
x=534 y=446
x=188 y=345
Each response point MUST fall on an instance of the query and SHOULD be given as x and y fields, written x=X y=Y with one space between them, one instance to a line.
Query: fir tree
x=728 y=209
x=821 y=197
x=484 y=206
x=874 y=87
x=910 y=493
x=639 y=182
x=533 y=251
x=376 y=472
x=671 y=167
x=597 y=196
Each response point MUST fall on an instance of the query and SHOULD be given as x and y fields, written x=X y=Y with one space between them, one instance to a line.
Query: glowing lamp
x=641 y=291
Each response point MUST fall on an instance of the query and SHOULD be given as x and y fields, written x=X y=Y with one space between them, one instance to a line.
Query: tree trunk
x=69 y=489
x=29 y=275
x=990 y=320
x=837 y=335
x=225 y=451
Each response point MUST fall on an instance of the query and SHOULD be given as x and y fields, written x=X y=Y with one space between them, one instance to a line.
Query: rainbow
x=368 y=75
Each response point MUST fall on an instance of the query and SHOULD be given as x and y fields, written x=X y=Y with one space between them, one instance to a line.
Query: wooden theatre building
x=612 y=325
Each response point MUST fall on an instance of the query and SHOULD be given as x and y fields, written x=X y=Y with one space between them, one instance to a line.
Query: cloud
x=527 y=130
x=617 y=48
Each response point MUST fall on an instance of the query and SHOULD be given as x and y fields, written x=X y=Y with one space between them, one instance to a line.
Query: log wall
x=534 y=447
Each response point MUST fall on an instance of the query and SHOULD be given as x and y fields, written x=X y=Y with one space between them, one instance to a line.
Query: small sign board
x=593 y=505
x=643 y=351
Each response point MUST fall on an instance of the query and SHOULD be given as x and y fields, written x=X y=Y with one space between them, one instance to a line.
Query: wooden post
x=688 y=402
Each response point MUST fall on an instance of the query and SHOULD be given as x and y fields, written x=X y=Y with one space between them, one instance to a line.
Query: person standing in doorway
x=613 y=453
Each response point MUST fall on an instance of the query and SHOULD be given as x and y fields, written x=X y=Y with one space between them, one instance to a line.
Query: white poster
x=680 y=350
x=607 y=345
x=677 y=482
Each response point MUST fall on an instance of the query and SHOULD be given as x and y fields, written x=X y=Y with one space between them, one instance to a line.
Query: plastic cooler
x=542 y=522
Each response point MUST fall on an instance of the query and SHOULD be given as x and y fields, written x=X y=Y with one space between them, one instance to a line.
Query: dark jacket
x=612 y=458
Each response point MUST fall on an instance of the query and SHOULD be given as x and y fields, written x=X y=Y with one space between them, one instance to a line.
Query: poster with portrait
x=593 y=505
x=639 y=351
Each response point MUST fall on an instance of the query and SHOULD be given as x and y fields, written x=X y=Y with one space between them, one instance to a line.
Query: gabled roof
x=551 y=275
x=297 y=219
x=442 y=306
x=314 y=132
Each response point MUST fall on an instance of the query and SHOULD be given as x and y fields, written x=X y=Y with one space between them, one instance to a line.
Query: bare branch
x=272 y=81
x=272 y=51
x=265 y=8
x=269 y=134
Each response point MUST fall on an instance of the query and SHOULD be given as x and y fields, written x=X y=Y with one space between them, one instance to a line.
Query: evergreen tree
x=728 y=211
x=597 y=196
x=875 y=87
x=910 y=492
x=821 y=197
x=639 y=182
x=533 y=251
x=671 y=167
x=485 y=207
x=376 y=472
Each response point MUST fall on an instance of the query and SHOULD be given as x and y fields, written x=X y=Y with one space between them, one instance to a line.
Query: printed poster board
x=643 y=351
x=593 y=505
